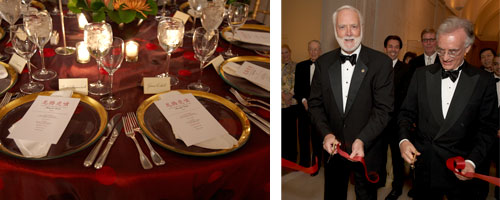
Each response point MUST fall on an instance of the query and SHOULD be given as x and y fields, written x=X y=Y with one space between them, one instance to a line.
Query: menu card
x=252 y=72
x=45 y=120
x=191 y=122
x=253 y=37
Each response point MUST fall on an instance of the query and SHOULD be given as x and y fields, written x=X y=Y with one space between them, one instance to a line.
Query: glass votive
x=131 y=51
x=82 y=53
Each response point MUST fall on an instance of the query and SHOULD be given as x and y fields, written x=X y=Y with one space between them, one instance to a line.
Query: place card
x=183 y=16
x=155 y=85
x=254 y=37
x=255 y=74
x=79 y=85
x=189 y=118
x=17 y=62
x=45 y=120
x=216 y=63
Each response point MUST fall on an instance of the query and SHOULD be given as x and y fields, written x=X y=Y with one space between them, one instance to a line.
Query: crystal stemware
x=10 y=10
x=98 y=37
x=25 y=48
x=170 y=34
x=39 y=28
x=197 y=6
x=163 y=12
x=237 y=16
x=204 y=45
x=212 y=16
x=112 y=62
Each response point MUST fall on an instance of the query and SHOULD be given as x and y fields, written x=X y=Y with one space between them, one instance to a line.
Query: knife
x=254 y=120
x=116 y=132
x=93 y=154
x=251 y=113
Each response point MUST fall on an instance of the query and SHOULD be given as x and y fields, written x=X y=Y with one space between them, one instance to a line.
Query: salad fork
x=130 y=133
x=245 y=102
x=157 y=160
x=235 y=92
x=6 y=99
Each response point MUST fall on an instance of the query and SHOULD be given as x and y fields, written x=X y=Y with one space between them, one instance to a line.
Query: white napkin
x=261 y=78
x=32 y=149
x=252 y=37
x=3 y=72
x=223 y=141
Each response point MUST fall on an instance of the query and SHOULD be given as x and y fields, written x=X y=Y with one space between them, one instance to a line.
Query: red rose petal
x=103 y=71
x=219 y=49
x=214 y=176
x=8 y=44
x=189 y=55
x=151 y=46
x=184 y=72
x=117 y=51
x=106 y=175
x=263 y=113
x=25 y=70
x=48 y=52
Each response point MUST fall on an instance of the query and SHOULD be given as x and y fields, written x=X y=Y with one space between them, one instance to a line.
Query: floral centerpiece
x=118 y=11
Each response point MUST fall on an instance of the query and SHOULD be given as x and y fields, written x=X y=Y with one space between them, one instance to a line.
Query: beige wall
x=300 y=23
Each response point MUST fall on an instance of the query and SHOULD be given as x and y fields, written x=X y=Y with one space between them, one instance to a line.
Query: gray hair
x=454 y=23
x=310 y=42
x=334 y=16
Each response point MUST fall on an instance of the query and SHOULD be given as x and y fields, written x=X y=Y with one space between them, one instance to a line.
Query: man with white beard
x=351 y=97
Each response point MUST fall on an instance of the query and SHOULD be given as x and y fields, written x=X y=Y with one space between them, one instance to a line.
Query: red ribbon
x=362 y=160
x=291 y=165
x=456 y=164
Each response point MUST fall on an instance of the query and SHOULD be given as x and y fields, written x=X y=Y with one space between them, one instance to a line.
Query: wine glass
x=170 y=34
x=39 y=28
x=98 y=37
x=25 y=48
x=112 y=62
x=163 y=12
x=197 y=6
x=204 y=45
x=237 y=16
x=212 y=16
x=10 y=10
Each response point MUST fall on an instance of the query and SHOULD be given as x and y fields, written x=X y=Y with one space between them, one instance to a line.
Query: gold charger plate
x=7 y=83
x=263 y=49
x=2 y=33
x=85 y=127
x=158 y=129
x=242 y=84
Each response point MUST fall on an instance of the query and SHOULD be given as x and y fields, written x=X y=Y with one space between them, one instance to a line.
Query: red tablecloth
x=243 y=174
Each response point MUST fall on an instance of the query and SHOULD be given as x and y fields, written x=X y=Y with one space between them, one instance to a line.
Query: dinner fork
x=157 y=160
x=6 y=99
x=245 y=102
x=235 y=92
x=130 y=133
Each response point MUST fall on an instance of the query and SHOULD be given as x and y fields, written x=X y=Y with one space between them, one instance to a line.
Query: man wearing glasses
x=429 y=57
x=454 y=107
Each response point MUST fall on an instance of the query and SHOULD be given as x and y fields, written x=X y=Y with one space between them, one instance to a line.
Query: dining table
x=241 y=174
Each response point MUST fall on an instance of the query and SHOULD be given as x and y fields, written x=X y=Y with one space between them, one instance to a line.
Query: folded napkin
x=33 y=149
x=252 y=37
x=258 y=75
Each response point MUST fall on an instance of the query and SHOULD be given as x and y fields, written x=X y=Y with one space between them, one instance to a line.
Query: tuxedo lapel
x=465 y=86
x=334 y=71
x=433 y=83
x=358 y=75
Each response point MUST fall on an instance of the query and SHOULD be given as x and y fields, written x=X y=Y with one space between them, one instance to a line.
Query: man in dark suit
x=429 y=57
x=351 y=97
x=392 y=46
x=307 y=136
x=454 y=107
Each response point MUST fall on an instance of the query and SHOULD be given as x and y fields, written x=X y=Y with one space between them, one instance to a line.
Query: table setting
x=159 y=114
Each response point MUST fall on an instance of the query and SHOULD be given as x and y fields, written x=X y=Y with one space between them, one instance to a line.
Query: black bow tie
x=497 y=79
x=351 y=58
x=452 y=74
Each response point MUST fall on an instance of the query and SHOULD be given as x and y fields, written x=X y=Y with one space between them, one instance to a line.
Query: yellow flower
x=137 y=5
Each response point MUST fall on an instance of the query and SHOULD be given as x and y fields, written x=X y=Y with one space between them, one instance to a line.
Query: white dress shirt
x=347 y=70
x=394 y=62
x=498 y=90
x=311 y=73
x=429 y=60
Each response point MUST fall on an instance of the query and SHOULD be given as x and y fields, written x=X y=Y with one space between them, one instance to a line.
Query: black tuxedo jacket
x=302 y=87
x=370 y=99
x=419 y=61
x=468 y=129
x=402 y=79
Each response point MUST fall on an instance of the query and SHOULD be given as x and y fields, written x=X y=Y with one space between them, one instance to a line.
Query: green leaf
x=96 y=5
x=113 y=15
x=153 y=6
x=72 y=5
x=98 y=16
x=127 y=16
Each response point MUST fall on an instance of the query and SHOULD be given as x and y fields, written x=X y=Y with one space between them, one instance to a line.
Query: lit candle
x=82 y=53
x=131 y=51
x=82 y=21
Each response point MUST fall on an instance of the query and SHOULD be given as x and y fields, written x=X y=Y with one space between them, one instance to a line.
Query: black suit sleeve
x=315 y=103
x=408 y=111
x=299 y=83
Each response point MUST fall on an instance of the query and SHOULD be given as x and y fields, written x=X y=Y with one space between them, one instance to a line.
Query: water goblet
x=39 y=28
x=25 y=48
x=204 y=45
x=170 y=34
x=212 y=16
x=10 y=10
x=163 y=12
x=197 y=6
x=112 y=62
x=237 y=16
x=98 y=37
